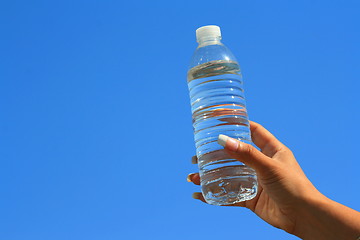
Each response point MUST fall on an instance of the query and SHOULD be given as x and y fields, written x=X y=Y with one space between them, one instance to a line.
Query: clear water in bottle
x=218 y=107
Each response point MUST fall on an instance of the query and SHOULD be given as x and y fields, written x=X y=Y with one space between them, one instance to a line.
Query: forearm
x=323 y=218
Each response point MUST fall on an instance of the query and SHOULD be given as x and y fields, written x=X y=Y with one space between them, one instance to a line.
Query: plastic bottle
x=218 y=107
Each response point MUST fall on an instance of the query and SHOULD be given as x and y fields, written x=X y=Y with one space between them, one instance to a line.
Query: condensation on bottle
x=218 y=107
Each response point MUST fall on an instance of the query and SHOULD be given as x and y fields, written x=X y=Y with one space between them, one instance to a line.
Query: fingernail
x=222 y=139
x=228 y=142
x=189 y=177
x=194 y=160
x=197 y=195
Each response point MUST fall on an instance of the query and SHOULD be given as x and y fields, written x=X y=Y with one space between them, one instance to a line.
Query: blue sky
x=95 y=120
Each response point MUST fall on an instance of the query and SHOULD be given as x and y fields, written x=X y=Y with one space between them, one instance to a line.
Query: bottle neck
x=204 y=41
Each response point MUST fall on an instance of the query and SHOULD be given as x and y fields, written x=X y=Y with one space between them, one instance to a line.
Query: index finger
x=262 y=138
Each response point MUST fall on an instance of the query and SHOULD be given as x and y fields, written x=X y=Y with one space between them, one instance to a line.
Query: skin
x=286 y=198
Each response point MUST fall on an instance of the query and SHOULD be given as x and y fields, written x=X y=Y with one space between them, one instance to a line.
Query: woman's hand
x=286 y=198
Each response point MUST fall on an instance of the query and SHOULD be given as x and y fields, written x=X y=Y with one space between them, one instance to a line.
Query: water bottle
x=218 y=107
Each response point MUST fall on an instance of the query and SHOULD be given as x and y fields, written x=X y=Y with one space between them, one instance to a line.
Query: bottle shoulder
x=214 y=68
x=209 y=53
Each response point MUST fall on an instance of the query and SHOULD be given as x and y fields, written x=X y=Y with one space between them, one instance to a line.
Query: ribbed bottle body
x=218 y=107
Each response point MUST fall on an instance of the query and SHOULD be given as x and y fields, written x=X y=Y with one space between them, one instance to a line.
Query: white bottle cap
x=207 y=31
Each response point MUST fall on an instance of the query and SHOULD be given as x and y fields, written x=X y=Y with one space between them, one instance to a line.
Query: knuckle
x=284 y=149
x=248 y=149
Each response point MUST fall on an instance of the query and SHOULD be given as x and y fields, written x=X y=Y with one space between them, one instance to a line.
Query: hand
x=286 y=198
x=282 y=183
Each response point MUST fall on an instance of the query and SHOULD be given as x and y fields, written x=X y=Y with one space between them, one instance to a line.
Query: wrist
x=305 y=219
x=322 y=218
x=308 y=225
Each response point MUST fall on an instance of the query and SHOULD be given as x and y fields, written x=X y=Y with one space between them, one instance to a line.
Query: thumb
x=246 y=153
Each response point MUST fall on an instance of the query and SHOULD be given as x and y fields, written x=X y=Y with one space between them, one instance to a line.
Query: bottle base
x=227 y=191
